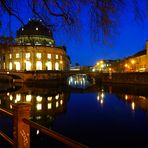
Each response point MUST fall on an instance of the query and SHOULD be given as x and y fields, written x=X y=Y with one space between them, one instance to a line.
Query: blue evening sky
x=130 y=37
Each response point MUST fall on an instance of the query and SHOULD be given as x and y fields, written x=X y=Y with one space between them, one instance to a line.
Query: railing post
x=21 y=131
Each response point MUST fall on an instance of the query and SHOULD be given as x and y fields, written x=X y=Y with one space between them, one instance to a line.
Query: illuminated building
x=33 y=50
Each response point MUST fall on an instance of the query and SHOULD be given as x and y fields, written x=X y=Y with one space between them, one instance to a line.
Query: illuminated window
x=27 y=55
x=17 y=55
x=49 y=56
x=18 y=97
x=28 y=65
x=38 y=55
x=49 y=106
x=49 y=98
x=10 y=56
x=56 y=66
x=39 y=106
x=57 y=56
x=49 y=65
x=60 y=57
x=57 y=97
x=57 y=104
x=10 y=66
x=38 y=65
x=39 y=98
x=17 y=65
x=28 y=98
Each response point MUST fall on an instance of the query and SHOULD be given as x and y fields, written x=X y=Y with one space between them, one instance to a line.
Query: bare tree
x=67 y=13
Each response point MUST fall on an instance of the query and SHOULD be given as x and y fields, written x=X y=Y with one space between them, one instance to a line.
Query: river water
x=97 y=116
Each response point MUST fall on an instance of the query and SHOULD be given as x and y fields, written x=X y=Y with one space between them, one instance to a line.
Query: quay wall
x=124 y=78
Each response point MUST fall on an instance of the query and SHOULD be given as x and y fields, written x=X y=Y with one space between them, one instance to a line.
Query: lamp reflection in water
x=100 y=96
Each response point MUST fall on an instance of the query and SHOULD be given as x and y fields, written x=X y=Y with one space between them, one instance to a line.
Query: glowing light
x=10 y=66
x=38 y=55
x=27 y=55
x=37 y=132
x=57 y=104
x=39 y=98
x=49 y=65
x=56 y=66
x=39 y=106
x=133 y=105
x=49 y=98
x=10 y=106
x=17 y=65
x=49 y=105
x=18 y=97
x=8 y=93
x=38 y=65
x=98 y=97
x=11 y=97
x=28 y=98
x=28 y=65
x=36 y=28
x=61 y=102
x=49 y=56
x=102 y=95
x=126 y=97
x=61 y=62
x=101 y=101
x=133 y=61
x=57 y=97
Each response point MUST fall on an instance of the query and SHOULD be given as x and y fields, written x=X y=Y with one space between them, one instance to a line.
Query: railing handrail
x=55 y=135
x=6 y=112
x=6 y=137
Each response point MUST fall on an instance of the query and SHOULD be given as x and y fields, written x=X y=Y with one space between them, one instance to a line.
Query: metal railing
x=21 y=128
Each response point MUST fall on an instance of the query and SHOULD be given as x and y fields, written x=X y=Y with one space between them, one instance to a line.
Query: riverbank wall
x=124 y=78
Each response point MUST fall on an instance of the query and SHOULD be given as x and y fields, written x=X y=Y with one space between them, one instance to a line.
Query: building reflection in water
x=46 y=103
x=135 y=96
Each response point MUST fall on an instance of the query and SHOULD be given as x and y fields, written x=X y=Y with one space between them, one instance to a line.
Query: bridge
x=25 y=76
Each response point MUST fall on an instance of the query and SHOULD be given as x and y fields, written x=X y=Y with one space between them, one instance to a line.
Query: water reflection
x=100 y=96
x=46 y=103
x=79 y=81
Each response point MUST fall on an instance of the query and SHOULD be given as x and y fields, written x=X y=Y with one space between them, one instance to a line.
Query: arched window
x=56 y=66
x=28 y=65
x=38 y=65
x=49 y=65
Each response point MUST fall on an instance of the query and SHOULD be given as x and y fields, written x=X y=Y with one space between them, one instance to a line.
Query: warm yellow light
x=56 y=66
x=61 y=62
x=11 y=97
x=28 y=98
x=101 y=62
x=126 y=97
x=49 y=65
x=38 y=65
x=49 y=98
x=57 y=104
x=61 y=102
x=126 y=65
x=18 y=97
x=49 y=105
x=57 y=97
x=133 y=61
x=39 y=106
x=133 y=105
x=28 y=65
x=39 y=98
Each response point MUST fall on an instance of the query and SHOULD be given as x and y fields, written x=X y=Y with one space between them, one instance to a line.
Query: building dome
x=34 y=33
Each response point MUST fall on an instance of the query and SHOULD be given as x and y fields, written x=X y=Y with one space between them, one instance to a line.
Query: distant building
x=135 y=63
x=105 y=65
x=34 y=49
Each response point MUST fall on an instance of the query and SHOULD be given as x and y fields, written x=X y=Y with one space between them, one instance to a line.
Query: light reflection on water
x=100 y=112
x=79 y=81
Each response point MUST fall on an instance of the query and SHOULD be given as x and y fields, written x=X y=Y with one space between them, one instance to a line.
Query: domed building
x=34 y=50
